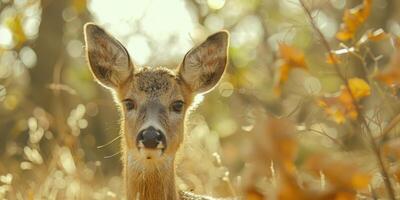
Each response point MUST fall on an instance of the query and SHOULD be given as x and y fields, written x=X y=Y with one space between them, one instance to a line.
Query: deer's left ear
x=204 y=65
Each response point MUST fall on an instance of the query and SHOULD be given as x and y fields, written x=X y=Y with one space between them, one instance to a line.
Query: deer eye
x=129 y=104
x=177 y=106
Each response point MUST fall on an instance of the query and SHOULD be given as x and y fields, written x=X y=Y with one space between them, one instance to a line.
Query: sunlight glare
x=248 y=32
x=166 y=25
x=139 y=48
x=6 y=37
x=216 y=4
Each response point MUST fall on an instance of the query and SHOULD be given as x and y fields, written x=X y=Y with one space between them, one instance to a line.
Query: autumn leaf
x=275 y=142
x=79 y=5
x=359 y=88
x=289 y=189
x=391 y=149
x=344 y=35
x=291 y=58
x=391 y=76
x=14 y=23
x=279 y=135
x=253 y=194
x=342 y=106
x=340 y=173
x=284 y=72
x=353 y=19
x=396 y=173
x=396 y=42
x=374 y=36
x=377 y=35
x=332 y=59
x=344 y=196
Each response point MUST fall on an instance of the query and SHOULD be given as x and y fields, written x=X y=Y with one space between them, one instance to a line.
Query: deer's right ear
x=109 y=61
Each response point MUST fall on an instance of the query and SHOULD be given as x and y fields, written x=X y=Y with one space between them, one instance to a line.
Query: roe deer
x=153 y=103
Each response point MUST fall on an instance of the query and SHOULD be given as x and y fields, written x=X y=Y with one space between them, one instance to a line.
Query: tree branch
x=374 y=145
x=5 y=5
x=390 y=126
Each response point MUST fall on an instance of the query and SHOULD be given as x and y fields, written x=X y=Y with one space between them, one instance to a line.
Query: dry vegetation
x=304 y=116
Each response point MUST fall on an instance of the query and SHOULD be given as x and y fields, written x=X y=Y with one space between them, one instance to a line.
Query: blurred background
x=55 y=120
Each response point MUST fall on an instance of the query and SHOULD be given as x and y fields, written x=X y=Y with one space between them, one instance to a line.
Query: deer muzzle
x=151 y=138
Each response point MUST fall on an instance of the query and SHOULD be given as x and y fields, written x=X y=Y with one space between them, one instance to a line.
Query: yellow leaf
x=79 y=5
x=322 y=103
x=353 y=19
x=341 y=107
x=360 y=180
x=338 y=117
x=359 y=88
x=333 y=108
x=14 y=23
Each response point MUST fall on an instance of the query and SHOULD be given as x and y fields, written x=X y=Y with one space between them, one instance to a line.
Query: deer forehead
x=154 y=84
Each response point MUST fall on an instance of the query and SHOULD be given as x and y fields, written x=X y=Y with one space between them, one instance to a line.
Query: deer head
x=153 y=101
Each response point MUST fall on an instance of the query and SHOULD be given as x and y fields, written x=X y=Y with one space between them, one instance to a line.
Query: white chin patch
x=150 y=154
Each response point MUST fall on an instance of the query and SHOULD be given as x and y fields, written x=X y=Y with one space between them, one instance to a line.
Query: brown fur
x=154 y=82
x=153 y=91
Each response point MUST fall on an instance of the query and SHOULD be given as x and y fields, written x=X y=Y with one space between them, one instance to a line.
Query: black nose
x=151 y=137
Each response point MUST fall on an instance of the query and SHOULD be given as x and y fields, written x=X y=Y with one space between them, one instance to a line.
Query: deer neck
x=150 y=181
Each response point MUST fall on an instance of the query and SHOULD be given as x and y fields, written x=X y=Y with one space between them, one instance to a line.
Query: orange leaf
x=353 y=19
x=396 y=41
x=392 y=149
x=340 y=173
x=345 y=196
x=374 y=36
x=344 y=35
x=342 y=106
x=377 y=35
x=391 y=76
x=253 y=194
x=290 y=58
x=332 y=59
x=284 y=70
